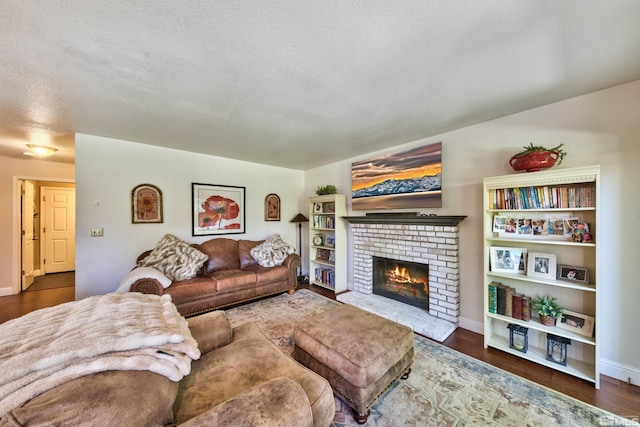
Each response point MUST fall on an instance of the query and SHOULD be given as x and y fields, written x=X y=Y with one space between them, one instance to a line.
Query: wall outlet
x=97 y=232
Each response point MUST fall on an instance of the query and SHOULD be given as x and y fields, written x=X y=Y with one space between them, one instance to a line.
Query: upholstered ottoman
x=361 y=354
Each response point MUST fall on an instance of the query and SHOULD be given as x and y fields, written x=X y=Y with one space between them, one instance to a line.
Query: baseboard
x=620 y=371
x=6 y=291
x=471 y=325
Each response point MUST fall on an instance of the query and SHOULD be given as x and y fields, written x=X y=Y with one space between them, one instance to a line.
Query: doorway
x=47 y=230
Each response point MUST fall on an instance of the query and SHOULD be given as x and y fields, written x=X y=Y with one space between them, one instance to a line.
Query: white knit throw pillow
x=175 y=258
x=272 y=251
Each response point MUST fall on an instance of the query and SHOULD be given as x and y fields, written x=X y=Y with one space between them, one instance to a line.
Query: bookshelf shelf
x=549 y=197
x=328 y=242
x=574 y=367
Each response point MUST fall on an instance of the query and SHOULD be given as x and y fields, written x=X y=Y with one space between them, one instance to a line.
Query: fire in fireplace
x=403 y=281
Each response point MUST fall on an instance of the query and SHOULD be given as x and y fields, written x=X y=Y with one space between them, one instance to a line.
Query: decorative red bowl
x=534 y=161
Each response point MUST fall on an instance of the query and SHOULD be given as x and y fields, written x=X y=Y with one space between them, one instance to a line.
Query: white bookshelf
x=328 y=242
x=584 y=351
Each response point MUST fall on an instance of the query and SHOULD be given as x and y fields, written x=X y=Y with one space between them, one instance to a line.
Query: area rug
x=445 y=388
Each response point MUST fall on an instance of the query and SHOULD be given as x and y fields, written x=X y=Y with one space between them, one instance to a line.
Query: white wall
x=108 y=169
x=10 y=171
x=600 y=128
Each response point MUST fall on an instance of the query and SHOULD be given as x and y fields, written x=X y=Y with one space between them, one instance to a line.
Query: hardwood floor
x=614 y=396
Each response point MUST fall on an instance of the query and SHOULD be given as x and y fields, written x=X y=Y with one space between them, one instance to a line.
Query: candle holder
x=557 y=349
x=518 y=337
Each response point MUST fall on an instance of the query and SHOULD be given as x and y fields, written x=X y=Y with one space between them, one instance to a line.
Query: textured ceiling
x=296 y=83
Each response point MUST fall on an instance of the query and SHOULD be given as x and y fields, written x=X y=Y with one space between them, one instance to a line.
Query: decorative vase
x=534 y=161
x=547 y=320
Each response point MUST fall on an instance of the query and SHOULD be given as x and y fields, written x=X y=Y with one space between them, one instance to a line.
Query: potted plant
x=327 y=189
x=536 y=157
x=547 y=308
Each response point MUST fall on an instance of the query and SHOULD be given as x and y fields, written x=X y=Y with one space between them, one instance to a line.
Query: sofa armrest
x=147 y=286
x=211 y=330
x=278 y=402
x=292 y=262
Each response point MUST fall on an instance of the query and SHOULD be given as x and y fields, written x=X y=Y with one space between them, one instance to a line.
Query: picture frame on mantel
x=217 y=209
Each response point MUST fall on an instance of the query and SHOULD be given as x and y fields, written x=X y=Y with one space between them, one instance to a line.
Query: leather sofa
x=229 y=276
x=241 y=378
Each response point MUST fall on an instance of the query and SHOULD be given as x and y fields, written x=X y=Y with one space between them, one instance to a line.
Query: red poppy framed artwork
x=217 y=209
x=146 y=204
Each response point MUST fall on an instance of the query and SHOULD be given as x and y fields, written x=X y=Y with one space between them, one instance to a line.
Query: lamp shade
x=299 y=218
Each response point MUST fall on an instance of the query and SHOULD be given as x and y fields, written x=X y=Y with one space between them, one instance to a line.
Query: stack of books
x=504 y=300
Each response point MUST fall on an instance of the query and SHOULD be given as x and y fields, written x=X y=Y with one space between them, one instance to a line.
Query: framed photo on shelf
x=525 y=227
x=541 y=265
x=499 y=224
x=508 y=260
x=540 y=227
x=272 y=207
x=555 y=227
x=323 y=254
x=329 y=207
x=576 y=322
x=317 y=208
x=573 y=273
x=146 y=204
x=217 y=209
x=330 y=239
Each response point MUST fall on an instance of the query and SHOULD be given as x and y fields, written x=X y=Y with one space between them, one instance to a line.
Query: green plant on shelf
x=547 y=305
x=327 y=189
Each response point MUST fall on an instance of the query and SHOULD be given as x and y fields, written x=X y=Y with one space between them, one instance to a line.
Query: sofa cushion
x=143 y=273
x=113 y=398
x=272 y=251
x=233 y=279
x=211 y=330
x=270 y=274
x=175 y=258
x=244 y=249
x=250 y=359
x=222 y=254
x=277 y=402
x=190 y=288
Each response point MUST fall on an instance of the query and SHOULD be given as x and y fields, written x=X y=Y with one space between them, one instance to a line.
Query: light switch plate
x=97 y=232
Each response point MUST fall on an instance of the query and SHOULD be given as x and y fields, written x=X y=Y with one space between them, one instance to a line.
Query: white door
x=27 y=193
x=59 y=233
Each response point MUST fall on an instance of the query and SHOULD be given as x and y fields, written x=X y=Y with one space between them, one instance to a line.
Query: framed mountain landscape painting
x=407 y=179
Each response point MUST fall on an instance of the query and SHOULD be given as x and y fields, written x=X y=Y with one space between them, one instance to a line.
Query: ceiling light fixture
x=41 y=150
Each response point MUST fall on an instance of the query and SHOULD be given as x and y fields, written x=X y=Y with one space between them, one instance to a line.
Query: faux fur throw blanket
x=129 y=331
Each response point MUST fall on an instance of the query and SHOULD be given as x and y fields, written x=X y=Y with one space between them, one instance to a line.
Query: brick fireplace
x=414 y=238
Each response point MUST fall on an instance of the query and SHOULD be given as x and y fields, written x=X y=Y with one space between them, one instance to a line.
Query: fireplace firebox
x=403 y=281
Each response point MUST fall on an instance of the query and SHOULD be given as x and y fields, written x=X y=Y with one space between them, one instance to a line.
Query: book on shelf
x=493 y=297
x=324 y=222
x=543 y=197
x=501 y=306
x=525 y=308
x=508 y=303
x=325 y=276
x=516 y=311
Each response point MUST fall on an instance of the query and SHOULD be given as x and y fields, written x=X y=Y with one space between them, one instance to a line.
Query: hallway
x=53 y=281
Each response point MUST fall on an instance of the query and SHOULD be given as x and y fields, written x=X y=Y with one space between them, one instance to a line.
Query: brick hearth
x=436 y=245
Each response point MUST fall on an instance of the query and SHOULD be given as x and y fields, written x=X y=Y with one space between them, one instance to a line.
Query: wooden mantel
x=402 y=218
